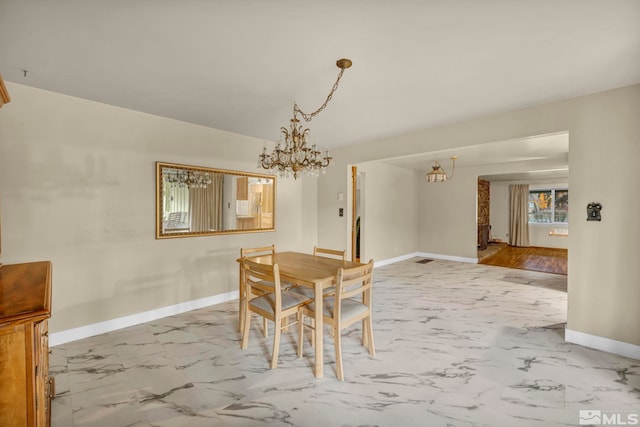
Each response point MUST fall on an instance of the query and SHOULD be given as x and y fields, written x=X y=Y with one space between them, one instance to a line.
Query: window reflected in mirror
x=196 y=201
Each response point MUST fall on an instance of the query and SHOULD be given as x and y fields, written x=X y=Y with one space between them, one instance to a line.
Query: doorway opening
x=356 y=214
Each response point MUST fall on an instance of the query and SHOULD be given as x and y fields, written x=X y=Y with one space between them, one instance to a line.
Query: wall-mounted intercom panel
x=593 y=211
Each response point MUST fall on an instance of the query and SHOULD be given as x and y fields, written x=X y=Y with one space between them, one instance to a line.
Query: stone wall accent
x=484 y=202
x=484 y=199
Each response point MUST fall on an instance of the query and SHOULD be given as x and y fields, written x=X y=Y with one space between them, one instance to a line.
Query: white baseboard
x=86 y=331
x=393 y=260
x=424 y=255
x=605 y=344
x=447 y=257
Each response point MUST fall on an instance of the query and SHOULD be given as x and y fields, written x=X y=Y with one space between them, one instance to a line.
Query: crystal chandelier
x=182 y=178
x=296 y=157
x=438 y=174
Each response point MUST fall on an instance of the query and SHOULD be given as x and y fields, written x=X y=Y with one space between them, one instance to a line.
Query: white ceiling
x=536 y=157
x=239 y=65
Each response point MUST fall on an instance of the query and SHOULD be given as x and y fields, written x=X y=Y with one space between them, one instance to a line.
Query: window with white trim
x=549 y=206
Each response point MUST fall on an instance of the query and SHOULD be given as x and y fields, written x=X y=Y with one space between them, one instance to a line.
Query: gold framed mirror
x=201 y=201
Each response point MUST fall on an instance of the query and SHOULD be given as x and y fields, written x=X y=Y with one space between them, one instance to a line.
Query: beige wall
x=604 y=130
x=448 y=215
x=390 y=211
x=604 y=273
x=77 y=186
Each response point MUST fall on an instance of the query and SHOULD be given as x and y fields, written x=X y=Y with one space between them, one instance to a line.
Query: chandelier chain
x=308 y=117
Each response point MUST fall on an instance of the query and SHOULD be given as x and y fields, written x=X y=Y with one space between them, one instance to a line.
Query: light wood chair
x=271 y=303
x=263 y=250
x=308 y=292
x=351 y=303
x=334 y=253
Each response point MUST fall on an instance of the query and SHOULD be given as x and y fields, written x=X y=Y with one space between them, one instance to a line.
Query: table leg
x=319 y=329
x=241 y=296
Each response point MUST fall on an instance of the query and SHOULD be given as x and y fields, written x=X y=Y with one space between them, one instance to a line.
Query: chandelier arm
x=308 y=117
x=453 y=166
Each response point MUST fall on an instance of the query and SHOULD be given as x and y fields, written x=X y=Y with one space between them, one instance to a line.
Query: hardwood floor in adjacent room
x=548 y=260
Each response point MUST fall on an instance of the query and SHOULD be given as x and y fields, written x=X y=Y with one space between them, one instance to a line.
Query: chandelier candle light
x=438 y=174
x=180 y=178
x=296 y=157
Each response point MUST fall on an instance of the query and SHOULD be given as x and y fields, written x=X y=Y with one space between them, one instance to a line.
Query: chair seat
x=309 y=293
x=286 y=286
x=350 y=308
x=267 y=302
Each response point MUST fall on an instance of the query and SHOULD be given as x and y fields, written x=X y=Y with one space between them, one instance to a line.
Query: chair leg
x=369 y=330
x=241 y=315
x=300 y=332
x=338 y=345
x=276 y=343
x=312 y=325
x=245 y=330
x=241 y=298
x=365 y=335
x=265 y=327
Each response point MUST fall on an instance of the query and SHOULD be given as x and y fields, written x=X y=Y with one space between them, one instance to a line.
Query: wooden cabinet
x=25 y=305
x=242 y=190
x=246 y=222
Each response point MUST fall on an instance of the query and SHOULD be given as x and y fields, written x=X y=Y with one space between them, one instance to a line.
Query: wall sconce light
x=438 y=174
x=4 y=95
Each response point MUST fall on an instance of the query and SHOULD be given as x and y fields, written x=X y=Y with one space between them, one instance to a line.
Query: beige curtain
x=205 y=205
x=216 y=212
x=519 y=215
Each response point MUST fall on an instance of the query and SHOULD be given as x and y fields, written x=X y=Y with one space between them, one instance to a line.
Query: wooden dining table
x=316 y=272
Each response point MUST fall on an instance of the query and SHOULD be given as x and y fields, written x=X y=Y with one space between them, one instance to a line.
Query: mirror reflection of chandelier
x=296 y=157
x=191 y=179
x=438 y=174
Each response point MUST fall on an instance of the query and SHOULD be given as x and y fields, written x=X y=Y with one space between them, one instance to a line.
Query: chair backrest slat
x=325 y=251
x=358 y=281
x=260 y=272
x=271 y=249
x=351 y=282
x=264 y=277
x=244 y=252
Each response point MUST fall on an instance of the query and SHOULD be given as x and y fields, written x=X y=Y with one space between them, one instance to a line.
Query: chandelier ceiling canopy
x=438 y=174
x=296 y=157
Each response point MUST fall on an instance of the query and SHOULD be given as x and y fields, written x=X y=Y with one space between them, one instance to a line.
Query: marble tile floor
x=456 y=345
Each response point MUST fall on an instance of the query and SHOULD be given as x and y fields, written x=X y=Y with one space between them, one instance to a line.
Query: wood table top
x=305 y=269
